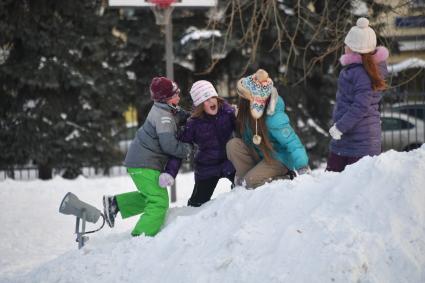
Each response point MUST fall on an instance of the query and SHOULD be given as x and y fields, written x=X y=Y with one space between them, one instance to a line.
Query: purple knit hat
x=163 y=89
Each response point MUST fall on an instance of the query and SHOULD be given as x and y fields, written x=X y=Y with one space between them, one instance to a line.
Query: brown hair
x=378 y=83
x=198 y=111
x=244 y=120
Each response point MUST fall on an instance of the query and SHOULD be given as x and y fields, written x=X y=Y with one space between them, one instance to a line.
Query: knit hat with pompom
x=256 y=88
x=361 y=38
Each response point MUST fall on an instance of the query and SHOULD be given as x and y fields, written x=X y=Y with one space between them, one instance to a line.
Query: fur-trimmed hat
x=361 y=38
x=202 y=91
x=163 y=89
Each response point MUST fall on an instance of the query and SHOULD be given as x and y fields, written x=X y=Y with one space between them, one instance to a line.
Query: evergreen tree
x=68 y=71
x=64 y=85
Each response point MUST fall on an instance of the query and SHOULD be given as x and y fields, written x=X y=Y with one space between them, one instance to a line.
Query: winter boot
x=304 y=170
x=238 y=181
x=110 y=209
x=290 y=175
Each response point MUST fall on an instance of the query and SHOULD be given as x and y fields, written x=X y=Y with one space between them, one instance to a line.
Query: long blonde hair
x=244 y=120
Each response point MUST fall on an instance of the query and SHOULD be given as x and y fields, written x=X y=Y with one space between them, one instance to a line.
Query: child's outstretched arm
x=169 y=174
x=166 y=129
x=173 y=165
x=186 y=135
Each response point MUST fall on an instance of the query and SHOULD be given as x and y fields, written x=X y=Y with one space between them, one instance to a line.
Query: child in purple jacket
x=357 y=128
x=210 y=127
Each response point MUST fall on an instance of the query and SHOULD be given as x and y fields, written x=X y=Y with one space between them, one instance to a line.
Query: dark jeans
x=337 y=163
x=204 y=189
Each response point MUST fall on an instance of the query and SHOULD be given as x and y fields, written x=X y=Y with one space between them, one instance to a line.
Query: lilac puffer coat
x=356 y=113
x=210 y=134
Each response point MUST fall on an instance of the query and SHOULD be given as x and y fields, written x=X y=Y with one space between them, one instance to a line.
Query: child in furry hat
x=356 y=131
x=147 y=155
x=268 y=146
x=210 y=127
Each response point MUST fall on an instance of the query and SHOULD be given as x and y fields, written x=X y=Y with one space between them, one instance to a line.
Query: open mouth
x=213 y=107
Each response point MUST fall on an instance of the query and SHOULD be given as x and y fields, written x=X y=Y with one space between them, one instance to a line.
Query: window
x=418 y=3
x=410 y=22
x=394 y=124
x=414 y=112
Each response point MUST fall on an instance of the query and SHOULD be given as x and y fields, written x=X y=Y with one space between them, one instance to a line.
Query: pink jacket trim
x=351 y=58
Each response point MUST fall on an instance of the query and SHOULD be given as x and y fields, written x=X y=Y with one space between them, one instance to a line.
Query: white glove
x=335 y=133
x=165 y=180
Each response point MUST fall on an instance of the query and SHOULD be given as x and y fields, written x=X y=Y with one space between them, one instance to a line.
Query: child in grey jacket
x=153 y=145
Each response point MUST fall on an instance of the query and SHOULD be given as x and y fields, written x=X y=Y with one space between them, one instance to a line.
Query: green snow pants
x=150 y=199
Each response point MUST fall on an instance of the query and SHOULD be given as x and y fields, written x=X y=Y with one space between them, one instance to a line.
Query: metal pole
x=77 y=230
x=81 y=239
x=169 y=59
x=169 y=56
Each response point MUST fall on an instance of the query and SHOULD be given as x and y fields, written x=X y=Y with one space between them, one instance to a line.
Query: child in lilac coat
x=357 y=128
x=210 y=127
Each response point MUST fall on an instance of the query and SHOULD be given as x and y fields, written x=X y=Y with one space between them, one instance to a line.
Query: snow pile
x=366 y=224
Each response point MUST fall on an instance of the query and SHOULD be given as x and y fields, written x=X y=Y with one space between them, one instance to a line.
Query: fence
x=403 y=111
x=30 y=172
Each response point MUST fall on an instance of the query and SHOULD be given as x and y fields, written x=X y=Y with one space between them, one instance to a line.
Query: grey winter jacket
x=156 y=140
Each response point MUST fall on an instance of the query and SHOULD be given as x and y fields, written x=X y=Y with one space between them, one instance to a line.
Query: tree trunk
x=72 y=173
x=44 y=172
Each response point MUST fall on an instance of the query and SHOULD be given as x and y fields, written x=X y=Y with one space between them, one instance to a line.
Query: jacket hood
x=380 y=55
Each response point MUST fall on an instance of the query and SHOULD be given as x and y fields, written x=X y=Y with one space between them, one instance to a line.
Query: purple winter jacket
x=210 y=134
x=356 y=112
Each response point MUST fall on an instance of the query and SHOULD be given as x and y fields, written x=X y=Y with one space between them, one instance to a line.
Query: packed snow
x=409 y=63
x=193 y=33
x=366 y=224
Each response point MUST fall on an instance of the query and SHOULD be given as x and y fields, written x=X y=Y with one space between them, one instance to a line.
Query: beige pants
x=250 y=167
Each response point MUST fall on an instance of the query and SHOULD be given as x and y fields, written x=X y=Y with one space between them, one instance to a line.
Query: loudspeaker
x=71 y=205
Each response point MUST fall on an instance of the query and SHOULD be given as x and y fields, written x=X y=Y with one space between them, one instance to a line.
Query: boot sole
x=106 y=211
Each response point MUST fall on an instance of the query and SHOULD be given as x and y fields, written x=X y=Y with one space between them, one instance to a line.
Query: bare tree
x=305 y=33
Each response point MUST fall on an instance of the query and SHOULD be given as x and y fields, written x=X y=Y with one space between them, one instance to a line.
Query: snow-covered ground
x=366 y=224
